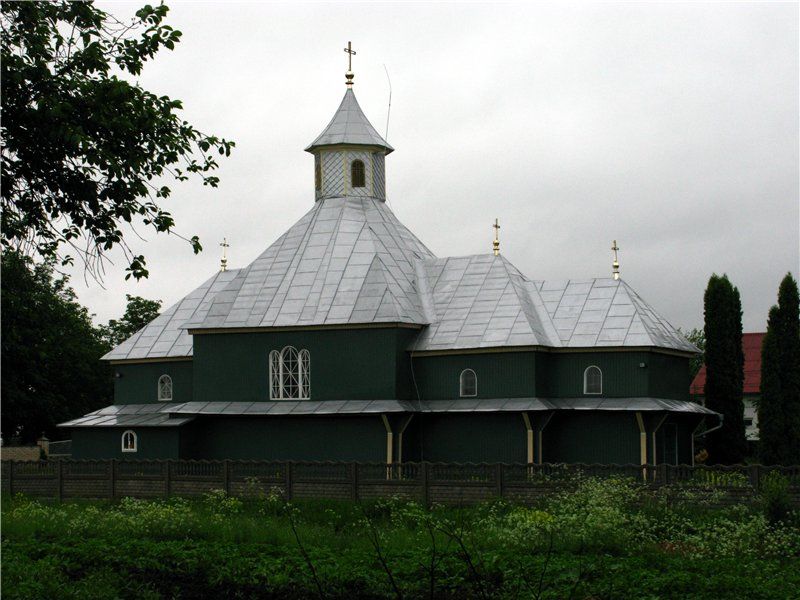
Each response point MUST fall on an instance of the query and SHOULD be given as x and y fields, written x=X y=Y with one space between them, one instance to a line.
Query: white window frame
x=461 y=392
x=135 y=437
x=586 y=380
x=164 y=378
x=290 y=374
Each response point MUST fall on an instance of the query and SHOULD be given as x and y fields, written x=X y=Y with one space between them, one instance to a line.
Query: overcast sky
x=671 y=128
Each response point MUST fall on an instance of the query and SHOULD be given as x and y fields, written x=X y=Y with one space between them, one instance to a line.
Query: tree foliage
x=779 y=405
x=84 y=151
x=138 y=313
x=698 y=338
x=50 y=352
x=724 y=370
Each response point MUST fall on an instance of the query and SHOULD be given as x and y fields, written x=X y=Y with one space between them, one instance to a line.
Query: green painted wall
x=138 y=383
x=106 y=442
x=476 y=437
x=500 y=375
x=622 y=375
x=668 y=376
x=345 y=364
x=361 y=438
x=591 y=437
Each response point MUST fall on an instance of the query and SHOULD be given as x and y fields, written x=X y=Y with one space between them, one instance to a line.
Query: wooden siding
x=500 y=375
x=106 y=442
x=591 y=437
x=345 y=364
x=361 y=438
x=138 y=383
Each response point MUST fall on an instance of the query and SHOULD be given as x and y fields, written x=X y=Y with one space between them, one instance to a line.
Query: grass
x=605 y=539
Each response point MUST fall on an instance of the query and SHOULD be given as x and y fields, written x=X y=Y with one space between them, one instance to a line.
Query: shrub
x=775 y=497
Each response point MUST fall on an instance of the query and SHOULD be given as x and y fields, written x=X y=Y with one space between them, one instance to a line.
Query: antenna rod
x=389 y=111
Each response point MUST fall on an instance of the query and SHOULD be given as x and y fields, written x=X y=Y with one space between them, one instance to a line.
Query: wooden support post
x=112 y=479
x=423 y=472
x=642 y=445
x=59 y=480
x=226 y=476
x=288 y=492
x=354 y=480
x=168 y=479
x=389 y=446
x=498 y=479
x=528 y=436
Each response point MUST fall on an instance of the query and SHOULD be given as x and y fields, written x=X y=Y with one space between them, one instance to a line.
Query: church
x=347 y=339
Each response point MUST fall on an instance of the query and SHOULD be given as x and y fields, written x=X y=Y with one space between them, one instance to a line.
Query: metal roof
x=348 y=260
x=349 y=125
x=130 y=415
x=163 y=336
x=176 y=414
x=483 y=301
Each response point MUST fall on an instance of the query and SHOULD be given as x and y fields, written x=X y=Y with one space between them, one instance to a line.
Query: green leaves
x=83 y=150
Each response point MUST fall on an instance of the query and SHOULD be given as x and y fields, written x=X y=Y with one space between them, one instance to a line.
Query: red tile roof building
x=751 y=344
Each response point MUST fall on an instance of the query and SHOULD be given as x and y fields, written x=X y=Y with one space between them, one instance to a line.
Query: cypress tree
x=724 y=370
x=779 y=405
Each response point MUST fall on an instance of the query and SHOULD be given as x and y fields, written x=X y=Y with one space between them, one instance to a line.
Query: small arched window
x=165 y=388
x=593 y=380
x=289 y=374
x=468 y=384
x=357 y=177
x=129 y=441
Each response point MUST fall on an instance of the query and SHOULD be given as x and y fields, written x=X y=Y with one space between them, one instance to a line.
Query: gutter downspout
x=706 y=432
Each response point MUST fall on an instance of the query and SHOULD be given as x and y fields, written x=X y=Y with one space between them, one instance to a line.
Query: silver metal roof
x=349 y=126
x=163 y=336
x=348 y=260
x=606 y=312
x=130 y=415
x=176 y=414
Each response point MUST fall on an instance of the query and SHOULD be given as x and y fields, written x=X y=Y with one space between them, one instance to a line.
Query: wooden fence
x=425 y=482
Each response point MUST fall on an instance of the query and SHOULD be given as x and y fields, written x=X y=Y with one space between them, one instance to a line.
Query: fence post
x=289 y=492
x=498 y=479
x=226 y=476
x=755 y=476
x=112 y=479
x=423 y=470
x=59 y=480
x=354 y=480
x=168 y=478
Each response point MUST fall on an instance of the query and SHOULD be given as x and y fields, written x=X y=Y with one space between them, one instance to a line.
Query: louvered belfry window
x=357 y=177
x=165 y=388
x=289 y=374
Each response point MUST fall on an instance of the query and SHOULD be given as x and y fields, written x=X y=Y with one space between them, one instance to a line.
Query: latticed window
x=165 y=388
x=357 y=177
x=289 y=374
x=129 y=441
x=593 y=380
x=468 y=383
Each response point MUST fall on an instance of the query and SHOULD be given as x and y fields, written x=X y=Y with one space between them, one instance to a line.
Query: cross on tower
x=349 y=75
x=615 y=264
x=496 y=242
x=223 y=264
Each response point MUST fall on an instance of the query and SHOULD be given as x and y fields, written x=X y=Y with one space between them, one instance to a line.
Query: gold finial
x=349 y=75
x=496 y=242
x=223 y=264
x=615 y=264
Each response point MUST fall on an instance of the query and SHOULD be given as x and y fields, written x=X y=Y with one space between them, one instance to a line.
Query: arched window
x=468 y=383
x=289 y=374
x=593 y=380
x=129 y=441
x=165 y=388
x=357 y=174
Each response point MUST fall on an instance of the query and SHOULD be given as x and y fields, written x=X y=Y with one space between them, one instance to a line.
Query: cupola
x=349 y=154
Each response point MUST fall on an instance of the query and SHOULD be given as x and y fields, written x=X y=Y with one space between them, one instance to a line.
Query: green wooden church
x=347 y=339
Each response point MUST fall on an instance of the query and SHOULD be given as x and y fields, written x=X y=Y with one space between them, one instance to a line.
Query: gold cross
x=350 y=53
x=223 y=264
x=496 y=243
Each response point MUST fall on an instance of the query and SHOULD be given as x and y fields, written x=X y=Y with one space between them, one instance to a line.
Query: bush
x=775 y=497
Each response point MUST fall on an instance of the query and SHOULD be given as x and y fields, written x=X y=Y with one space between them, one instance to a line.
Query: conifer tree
x=724 y=370
x=779 y=405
